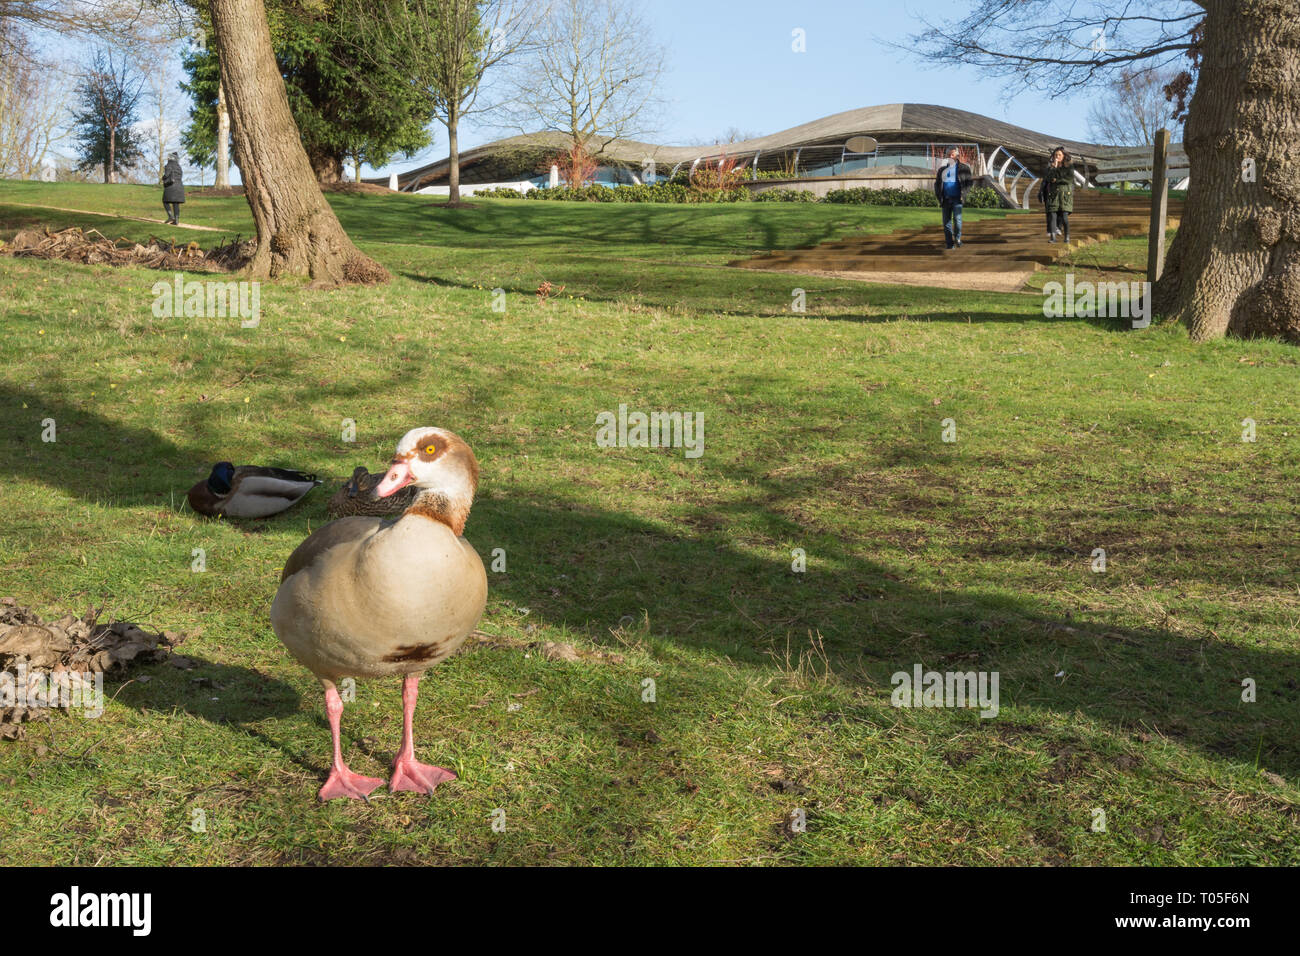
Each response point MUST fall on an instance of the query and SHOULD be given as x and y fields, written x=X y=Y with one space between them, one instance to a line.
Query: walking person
x=951 y=184
x=1057 y=194
x=173 y=189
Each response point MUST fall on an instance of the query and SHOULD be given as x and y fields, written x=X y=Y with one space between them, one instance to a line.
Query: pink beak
x=399 y=476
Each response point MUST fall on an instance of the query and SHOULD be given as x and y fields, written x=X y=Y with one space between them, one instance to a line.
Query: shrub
x=654 y=192
x=667 y=192
x=715 y=177
x=786 y=195
x=574 y=194
x=576 y=165
x=678 y=190
x=672 y=192
x=732 y=195
x=501 y=192
x=982 y=197
x=865 y=196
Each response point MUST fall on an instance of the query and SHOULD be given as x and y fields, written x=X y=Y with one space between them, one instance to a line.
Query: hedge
x=677 y=192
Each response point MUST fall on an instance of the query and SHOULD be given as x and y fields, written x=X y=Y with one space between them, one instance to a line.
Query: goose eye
x=430 y=449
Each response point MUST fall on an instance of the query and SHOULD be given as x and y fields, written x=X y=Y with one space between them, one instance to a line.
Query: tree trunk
x=453 y=154
x=297 y=232
x=112 y=156
x=223 y=139
x=327 y=167
x=1234 y=266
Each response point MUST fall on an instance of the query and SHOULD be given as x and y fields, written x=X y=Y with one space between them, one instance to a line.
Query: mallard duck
x=249 y=491
x=368 y=597
x=356 y=497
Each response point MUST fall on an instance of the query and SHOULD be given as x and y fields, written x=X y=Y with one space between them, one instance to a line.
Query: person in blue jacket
x=951 y=184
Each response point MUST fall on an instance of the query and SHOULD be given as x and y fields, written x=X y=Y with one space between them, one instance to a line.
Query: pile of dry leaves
x=92 y=247
x=49 y=665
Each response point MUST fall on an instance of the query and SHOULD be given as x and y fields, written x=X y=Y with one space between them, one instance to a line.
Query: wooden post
x=1159 y=207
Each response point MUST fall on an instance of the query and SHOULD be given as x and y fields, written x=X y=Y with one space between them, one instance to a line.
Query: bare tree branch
x=1133 y=107
x=593 y=77
x=1062 y=46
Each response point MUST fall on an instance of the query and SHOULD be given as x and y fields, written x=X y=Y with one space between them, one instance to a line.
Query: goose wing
x=336 y=532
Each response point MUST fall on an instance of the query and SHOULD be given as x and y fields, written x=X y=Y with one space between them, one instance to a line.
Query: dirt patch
x=356 y=189
x=50 y=665
x=973 y=281
x=1067 y=763
x=92 y=247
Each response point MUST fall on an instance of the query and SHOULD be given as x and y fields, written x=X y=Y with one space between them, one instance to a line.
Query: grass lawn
x=1120 y=691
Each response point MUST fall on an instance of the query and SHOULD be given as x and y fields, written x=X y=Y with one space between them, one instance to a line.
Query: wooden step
x=1016 y=243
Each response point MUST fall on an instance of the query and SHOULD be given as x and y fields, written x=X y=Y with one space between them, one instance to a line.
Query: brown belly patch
x=413 y=653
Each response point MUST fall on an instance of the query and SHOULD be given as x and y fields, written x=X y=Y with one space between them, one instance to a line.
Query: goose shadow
x=232 y=696
x=209 y=690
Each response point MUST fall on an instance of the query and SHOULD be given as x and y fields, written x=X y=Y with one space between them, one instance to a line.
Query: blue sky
x=731 y=64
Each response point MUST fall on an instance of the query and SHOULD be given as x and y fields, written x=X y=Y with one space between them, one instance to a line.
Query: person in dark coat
x=951 y=184
x=1057 y=194
x=173 y=189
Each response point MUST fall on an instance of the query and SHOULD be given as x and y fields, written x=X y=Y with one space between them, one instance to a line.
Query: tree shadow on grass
x=100 y=459
x=1031 y=315
x=715 y=288
x=587 y=569
x=631 y=229
x=91 y=456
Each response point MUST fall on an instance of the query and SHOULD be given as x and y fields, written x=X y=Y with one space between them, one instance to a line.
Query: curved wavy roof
x=894 y=121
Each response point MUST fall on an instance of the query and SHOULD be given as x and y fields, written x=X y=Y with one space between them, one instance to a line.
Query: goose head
x=442 y=469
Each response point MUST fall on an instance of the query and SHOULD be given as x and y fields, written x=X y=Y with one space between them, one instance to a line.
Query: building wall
x=467 y=190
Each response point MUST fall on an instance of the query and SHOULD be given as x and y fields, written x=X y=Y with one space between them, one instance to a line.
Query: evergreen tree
x=108 y=93
x=340 y=111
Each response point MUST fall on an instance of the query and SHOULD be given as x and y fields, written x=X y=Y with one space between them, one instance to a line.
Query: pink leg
x=409 y=773
x=342 y=782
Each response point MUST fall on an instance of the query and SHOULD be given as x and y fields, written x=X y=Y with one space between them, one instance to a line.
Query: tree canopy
x=340 y=110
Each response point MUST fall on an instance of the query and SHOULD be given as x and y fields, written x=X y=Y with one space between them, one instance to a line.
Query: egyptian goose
x=249 y=491
x=368 y=597
x=356 y=497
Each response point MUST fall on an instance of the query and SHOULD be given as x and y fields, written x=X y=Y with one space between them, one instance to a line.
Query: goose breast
x=367 y=598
